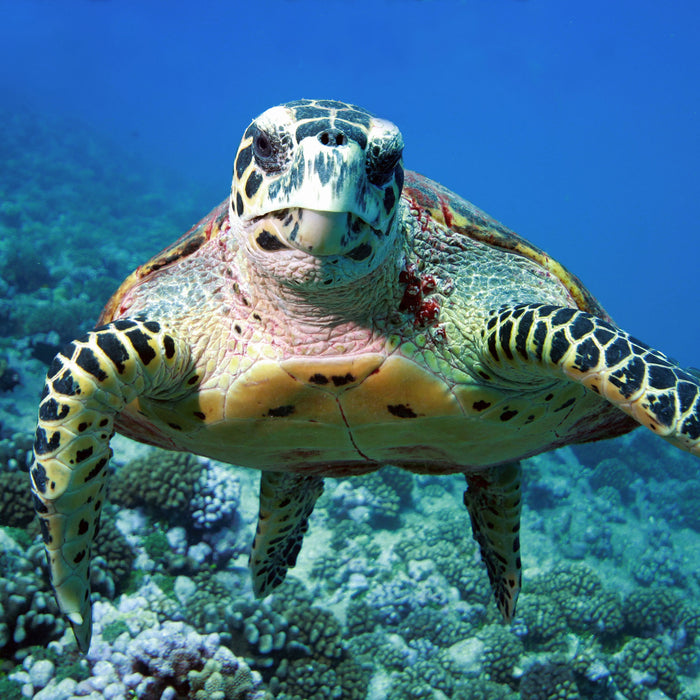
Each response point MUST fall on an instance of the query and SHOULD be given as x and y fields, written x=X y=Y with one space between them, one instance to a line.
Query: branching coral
x=549 y=681
x=162 y=483
x=113 y=558
x=28 y=613
x=16 y=507
x=225 y=678
x=501 y=654
x=216 y=497
x=440 y=627
x=613 y=473
x=644 y=665
x=423 y=679
x=16 y=452
x=578 y=594
x=543 y=624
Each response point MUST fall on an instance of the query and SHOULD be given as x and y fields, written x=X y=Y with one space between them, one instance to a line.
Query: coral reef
x=59 y=186
x=135 y=655
x=16 y=452
x=28 y=613
x=221 y=679
x=315 y=661
x=389 y=601
x=615 y=474
x=199 y=498
x=162 y=483
x=375 y=498
x=652 y=611
x=578 y=594
x=215 y=498
x=113 y=558
x=16 y=507
x=394 y=600
x=173 y=656
x=479 y=689
x=644 y=665
x=540 y=623
x=549 y=681
x=681 y=506
x=424 y=679
x=501 y=654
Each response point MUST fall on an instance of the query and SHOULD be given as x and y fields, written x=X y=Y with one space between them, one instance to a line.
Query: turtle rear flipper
x=581 y=347
x=493 y=499
x=88 y=384
x=286 y=502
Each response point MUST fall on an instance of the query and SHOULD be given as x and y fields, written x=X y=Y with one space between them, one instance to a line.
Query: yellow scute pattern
x=267 y=390
x=334 y=374
x=400 y=387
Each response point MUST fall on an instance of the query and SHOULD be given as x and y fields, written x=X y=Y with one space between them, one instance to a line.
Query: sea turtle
x=334 y=315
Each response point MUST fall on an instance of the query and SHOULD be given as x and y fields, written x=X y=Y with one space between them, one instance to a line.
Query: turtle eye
x=262 y=145
x=381 y=164
x=267 y=150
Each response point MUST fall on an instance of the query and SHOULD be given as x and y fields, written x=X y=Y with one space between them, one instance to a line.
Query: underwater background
x=576 y=124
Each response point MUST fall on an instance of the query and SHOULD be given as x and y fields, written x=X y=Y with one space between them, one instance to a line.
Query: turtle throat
x=328 y=261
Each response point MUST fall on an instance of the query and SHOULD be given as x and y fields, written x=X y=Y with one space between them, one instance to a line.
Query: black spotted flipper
x=493 y=500
x=88 y=384
x=581 y=347
x=286 y=502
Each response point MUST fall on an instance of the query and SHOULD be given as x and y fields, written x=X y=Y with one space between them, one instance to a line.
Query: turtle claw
x=82 y=629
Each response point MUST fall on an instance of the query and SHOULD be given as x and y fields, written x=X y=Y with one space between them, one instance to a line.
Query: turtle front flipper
x=581 y=347
x=493 y=500
x=88 y=384
x=286 y=502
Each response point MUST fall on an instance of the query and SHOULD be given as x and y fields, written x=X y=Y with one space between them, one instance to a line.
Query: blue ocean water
x=574 y=124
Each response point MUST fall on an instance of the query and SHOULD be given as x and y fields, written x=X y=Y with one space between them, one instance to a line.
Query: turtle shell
x=204 y=230
x=460 y=216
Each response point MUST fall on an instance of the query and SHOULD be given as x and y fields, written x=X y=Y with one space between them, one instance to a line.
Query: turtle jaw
x=318 y=233
x=321 y=275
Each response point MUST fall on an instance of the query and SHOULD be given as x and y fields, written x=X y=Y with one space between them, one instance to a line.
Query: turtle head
x=321 y=177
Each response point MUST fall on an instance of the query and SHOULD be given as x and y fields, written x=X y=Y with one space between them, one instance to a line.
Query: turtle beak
x=321 y=232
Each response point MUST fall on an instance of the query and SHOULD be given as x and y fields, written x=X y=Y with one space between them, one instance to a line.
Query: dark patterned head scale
x=319 y=155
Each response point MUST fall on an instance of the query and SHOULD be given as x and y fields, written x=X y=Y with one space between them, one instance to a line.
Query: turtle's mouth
x=317 y=233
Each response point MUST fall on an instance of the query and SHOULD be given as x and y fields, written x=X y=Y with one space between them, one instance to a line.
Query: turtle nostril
x=332 y=137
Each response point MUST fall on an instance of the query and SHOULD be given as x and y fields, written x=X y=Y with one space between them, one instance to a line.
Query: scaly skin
x=283 y=521
x=635 y=378
x=494 y=501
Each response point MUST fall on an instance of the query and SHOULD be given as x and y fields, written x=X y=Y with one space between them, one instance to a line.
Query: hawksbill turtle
x=336 y=314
